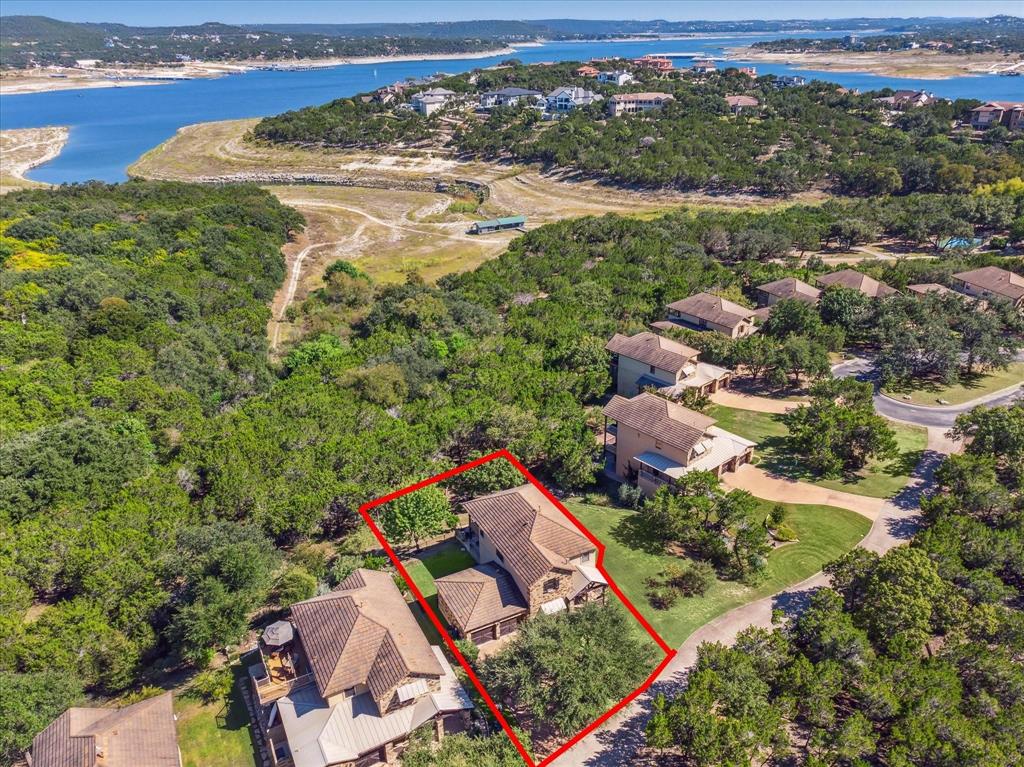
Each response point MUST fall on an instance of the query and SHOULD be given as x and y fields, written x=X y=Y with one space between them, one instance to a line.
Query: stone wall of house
x=537 y=597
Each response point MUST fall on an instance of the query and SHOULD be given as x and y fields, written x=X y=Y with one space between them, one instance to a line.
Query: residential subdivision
x=530 y=559
x=346 y=680
x=706 y=311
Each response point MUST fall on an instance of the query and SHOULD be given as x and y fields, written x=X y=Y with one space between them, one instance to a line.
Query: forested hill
x=162 y=483
x=818 y=135
x=39 y=40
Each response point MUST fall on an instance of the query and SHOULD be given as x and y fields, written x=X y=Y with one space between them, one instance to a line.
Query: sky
x=169 y=12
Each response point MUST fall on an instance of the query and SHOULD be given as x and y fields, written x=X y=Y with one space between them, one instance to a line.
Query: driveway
x=757 y=481
x=621 y=740
x=922 y=415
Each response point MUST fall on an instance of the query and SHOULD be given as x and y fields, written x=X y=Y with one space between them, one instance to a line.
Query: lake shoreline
x=52 y=79
x=24 y=149
x=917 y=63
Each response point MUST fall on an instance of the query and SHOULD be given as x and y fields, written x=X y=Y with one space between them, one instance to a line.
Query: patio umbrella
x=278 y=633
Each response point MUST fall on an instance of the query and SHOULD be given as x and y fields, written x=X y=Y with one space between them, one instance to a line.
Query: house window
x=498 y=556
x=652 y=369
x=585 y=557
x=550 y=585
x=657 y=444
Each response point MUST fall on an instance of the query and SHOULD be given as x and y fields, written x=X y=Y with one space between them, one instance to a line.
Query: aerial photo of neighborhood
x=538 y=384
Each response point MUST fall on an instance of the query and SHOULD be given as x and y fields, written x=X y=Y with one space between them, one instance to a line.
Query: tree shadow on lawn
x=777 y=459
x=631 y=533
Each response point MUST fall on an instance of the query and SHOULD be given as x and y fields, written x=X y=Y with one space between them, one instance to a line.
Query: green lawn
x=825 y=533
x=435 y=562
x=957 y=394
x=879 y=479
x=214 y=735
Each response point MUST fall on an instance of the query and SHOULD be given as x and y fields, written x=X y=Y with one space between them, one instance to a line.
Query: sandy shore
x=927 y=65
x=68 y=78
x=25 y=148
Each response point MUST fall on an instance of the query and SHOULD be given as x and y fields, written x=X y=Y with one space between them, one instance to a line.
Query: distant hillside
x=996 y=33
x=38 y=40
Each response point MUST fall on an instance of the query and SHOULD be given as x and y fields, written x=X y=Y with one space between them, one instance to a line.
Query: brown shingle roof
x=674 y=424
x=362 y=633
x=791 y=287
x=652 y=349
x=850 y=278
x=741 y=101
x=140 y=735
x=480 y=596
x=714 y=309
x=531 y=533
x=995 y=280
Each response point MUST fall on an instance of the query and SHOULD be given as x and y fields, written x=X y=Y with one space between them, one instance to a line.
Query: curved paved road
x=619 y=741
x=921 y=415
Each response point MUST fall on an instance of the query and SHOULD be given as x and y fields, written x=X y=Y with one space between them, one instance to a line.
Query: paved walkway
x=757 y=481
x=620 y=740
x=741 y=401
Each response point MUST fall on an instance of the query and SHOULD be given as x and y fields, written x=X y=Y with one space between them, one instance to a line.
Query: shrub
x=662 y=598
x=776 y=516
x=468 y=649
x=597 y=499
x=696 y=579
x=784 y=533
x=342 y=567
x=375 y=561
x=311 y=558
x=213 y=684
x=630 y=496
x=295 y=585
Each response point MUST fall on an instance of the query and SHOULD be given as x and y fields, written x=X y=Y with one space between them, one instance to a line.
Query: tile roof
x=480 y=596
x=850 y=278
x=741 y=101
x=673 y=424
x=929 y=287
x=713 y=308
x=620 y=98
x=995 y=280
x=140 y=735
x=652 y=349
x=791 y=287
x=363 y=633
x=531 y=533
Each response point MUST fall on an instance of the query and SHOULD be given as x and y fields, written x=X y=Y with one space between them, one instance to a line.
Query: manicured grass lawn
x=825 y=533
x=879 y=479
x=214 y=735
x=962 y=392
x=435 y=562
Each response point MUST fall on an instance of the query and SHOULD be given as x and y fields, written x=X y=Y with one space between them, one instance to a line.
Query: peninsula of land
x=918 y=63
x=25 y=148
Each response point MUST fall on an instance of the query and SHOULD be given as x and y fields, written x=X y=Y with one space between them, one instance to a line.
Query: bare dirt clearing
x=25 y=148
x=381 y=209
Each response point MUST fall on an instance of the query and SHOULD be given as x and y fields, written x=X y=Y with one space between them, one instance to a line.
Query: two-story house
x=634 y=103
x=507 y=97
x=566 y=98
x=705 y=311
x=351 y=678
x=531 y=558
x=430 y=101
x=1008 y=113
x=140 y=735
x=991 y=282
x=650 y=360
x=655 y=442
x=854 y=280
x=616 y=77
x=770 y=293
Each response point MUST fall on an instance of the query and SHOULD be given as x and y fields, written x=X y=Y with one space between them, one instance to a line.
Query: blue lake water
x=112 y=127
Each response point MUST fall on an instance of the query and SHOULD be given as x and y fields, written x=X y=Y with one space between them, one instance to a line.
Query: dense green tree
x=414 y=516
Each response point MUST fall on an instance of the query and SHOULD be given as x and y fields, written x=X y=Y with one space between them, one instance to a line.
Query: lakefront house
x=530 y=559
x=648 y=360
x=346 y=680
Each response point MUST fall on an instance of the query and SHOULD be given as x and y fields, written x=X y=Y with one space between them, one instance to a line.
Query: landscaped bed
x=879 y=479
x=959 y=393
x=824 y=533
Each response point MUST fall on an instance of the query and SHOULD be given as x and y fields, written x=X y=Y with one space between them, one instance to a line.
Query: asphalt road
x=934 y=417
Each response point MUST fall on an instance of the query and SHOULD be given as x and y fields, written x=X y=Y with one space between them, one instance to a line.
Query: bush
x=213 y=685
x=630 y=496
x=295 y=585
x=597 y=499
x=776 y=516
x=997 y=243
x=662 y=597
x=375 y=561
x=468 y=649
x=695 y=580
x=784 y=534
x=342 y=567
x=311 y=558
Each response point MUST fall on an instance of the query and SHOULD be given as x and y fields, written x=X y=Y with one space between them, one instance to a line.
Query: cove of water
x=112 y=127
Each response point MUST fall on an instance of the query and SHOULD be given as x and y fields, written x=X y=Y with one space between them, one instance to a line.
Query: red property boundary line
x=365 y=509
